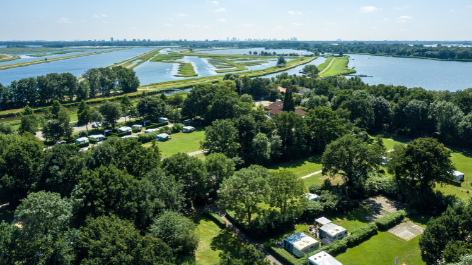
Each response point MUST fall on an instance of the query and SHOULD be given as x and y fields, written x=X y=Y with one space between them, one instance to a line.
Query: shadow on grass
x=420 y=219
x=227 y=242
x=361 y=214
x=316 y=159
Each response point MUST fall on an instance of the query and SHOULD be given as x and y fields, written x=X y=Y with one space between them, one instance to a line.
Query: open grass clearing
x=181 y=143
x=186 y=70
x=382 y=249
x=213 y=241
x=301 y=167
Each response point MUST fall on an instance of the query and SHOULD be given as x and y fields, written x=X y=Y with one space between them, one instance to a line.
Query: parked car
x=96 y=125
x=61 y=142
x=163 y=119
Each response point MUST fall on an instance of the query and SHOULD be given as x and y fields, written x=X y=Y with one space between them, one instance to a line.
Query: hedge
x=284 y=256
x=147 y=137
x=338 y=246
x=361 y=234
x=82 y=145
x=155 y=125
x=215 y=218
x=384 y=223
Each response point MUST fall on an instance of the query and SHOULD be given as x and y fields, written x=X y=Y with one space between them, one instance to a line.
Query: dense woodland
x=120 y=204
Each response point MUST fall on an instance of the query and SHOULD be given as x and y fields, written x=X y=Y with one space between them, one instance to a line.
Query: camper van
x=188 y=129
x=162 y=137
x=124 y=129
x=163 y=119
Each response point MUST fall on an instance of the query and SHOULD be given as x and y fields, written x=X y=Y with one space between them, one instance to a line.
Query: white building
x=188 y=129
x=332 y=232
x=82 y=140
x=459 y=176
x=300 y=244
x=311 y=196
x=162 y=137
x=323 y=258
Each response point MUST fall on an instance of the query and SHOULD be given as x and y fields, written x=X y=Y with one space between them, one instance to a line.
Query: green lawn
x=339 y=67
x=301 y=167
x=352 y=220
x=181 y=143
x=382 y=249
x=213 y=241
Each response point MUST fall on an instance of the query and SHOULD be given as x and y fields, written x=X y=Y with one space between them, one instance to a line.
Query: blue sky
x=219 y=19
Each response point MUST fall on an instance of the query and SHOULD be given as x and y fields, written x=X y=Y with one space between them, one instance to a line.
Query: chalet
x=276 y=108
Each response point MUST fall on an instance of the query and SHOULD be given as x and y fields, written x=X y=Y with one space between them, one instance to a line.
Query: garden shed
x=323 y=258
x=299 y=244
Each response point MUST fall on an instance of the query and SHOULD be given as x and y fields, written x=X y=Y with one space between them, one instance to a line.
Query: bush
x=215 y=218
x=147 y=137
x=156 y=125
x=283 y=255
x=376 y=184
x=136 y=130
x=390 y=220
x=165 y=129
x=177 y=127
x=82 y=145
x=266 y=225
x=361 y=234
x=313 y=209
x=92 y=141
x=338 y=246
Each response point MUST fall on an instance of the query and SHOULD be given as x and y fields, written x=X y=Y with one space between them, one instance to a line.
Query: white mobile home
x=188 y=129
x=299 y=244
x=459 y=176
x=151 y=130
x=97 y=137
x=163 y=119
x=82 y=140
x=162 y=137
x=138 y=126
x=311 y=196
x=332 y=232
x=124 y=129
x=323 y=258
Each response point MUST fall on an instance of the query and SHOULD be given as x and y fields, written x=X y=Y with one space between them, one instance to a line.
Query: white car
x=96 y=125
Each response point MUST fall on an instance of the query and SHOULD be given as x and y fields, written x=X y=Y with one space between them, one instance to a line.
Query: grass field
x=181 y=143
x=186 y=70
x=323 y=66
x=213 y=241
x=165 y=58
x=382 y=249
x=339 y=67
x=301 y=167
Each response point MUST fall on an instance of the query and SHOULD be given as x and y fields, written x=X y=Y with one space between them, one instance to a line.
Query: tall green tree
x=351 y=158
x=421 y=164
x=289 y=103
x=286 y=192
x=57 y=124
x=245 y=190
x=219 y=168
x=221 y=137
x=324 y=126
x=111 y=112
x=29 y=121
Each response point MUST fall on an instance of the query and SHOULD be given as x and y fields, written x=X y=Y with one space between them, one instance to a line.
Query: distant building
x=111 y=39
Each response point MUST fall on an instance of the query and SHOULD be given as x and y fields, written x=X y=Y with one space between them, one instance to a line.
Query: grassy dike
x=5 y=57
x=128 y=63
x=14 y=65
x=338 y=67
x=186 y=70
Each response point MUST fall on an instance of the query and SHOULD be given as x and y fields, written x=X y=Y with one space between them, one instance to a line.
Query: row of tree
x=43 y=90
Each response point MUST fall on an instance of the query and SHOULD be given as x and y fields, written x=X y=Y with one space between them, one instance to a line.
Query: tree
x=311 y=70
x=446 y=117
x=292 y=130
x=219 y=168
x=465 y=129
x=289 y=103
x=351 y=158
x=260 y=150
x=84 y=114
x=382 y=112
x=247 y=130
x=127 y=80
x=20 y=166
x=7 y=129
x=106 y=190
x=421 y=164
x=8 y=247
x=111 y=112
x=177 y=231
x=281 y=62
x=176 y=100
x=250 y=256
x=29 y=121
x=125 y=105
x=45 y=237
x=447 y=236
x=361 y=112
x=96 y=116
x=221 y=137
x=110 y=240
x=324 y=126
x=160 y=193
x=188 y=170
x=57 y=123
x=286 y=192
x=416 y=117
x=246 y=189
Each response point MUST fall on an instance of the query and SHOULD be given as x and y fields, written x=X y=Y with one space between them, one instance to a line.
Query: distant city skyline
x=237 y=19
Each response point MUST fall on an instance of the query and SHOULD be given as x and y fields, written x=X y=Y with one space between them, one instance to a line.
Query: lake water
x=26 y=58
x=428 y=74
x=75 y=66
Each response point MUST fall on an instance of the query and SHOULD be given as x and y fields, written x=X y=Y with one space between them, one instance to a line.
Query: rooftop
x=323 y=220
x=323 y=258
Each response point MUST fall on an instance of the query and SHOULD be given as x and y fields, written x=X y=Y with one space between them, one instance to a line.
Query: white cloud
x=220 y=10
x=168 y=25
x=99 y=15
x=369 y=9
x=403 y=19
x=213 y=2
x=401 y=7
x=279 y=27
x=103 y=15
x=222 y=20
x=373 y=28
x=247 y=25
x=297 y=24
x=196 y=26
x=293 y=12
x=182 y=15
x=64 y=20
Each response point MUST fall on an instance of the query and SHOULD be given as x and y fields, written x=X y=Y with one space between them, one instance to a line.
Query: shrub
x=283 y=255
x=165 y=129
x=82 y=145
x=313 y=209
x=92 y=141
x=390 y=220
x=177 y=127
x=338 y=246
x=147 y=137
x=136 y=130
x=376 y=184
x=215 y=218
x=361 y=234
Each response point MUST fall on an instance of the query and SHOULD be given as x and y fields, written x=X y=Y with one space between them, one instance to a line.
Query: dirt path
x=196 y=153
x=242 y=235
x=327 y=67
x=312 y=174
